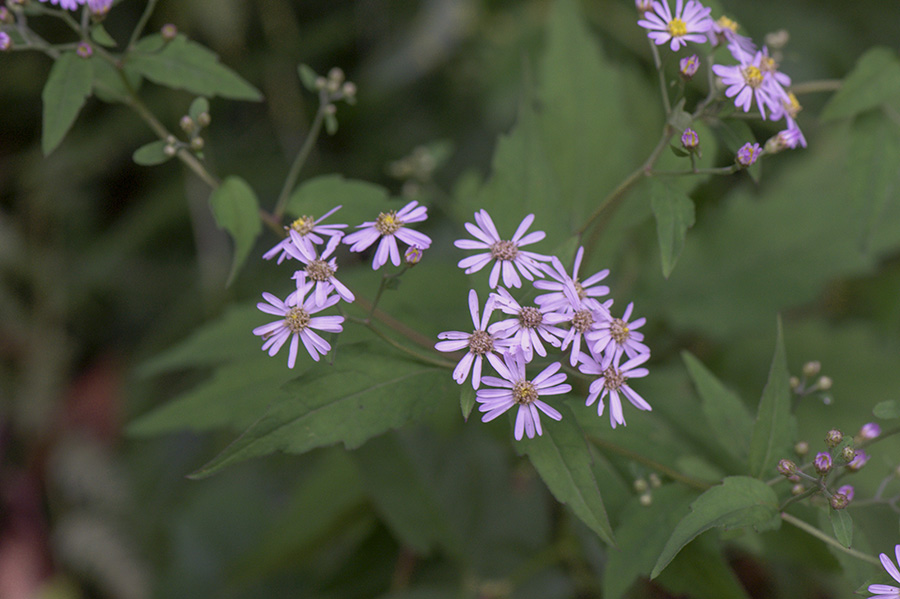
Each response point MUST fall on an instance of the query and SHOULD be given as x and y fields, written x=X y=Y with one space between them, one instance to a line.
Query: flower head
x=5 y=41
x=528 y=327
x=319 y=269
x=296 y=322
x=99 y=7
x=755 y=78
x=66 y=4
x=390 y=226
x=688 y=66
x=847 y=491
x=725 y=30
x=506 y=254
x=308 y=232
x=858 y=461
x=412 y=255
x=515 y=389
x=479 y=343
x=689 y=23
x=823 y=462
x=568 y=292
x=748 y=153
x=613 y=381
x=869 y=431
x=885 y=591
x=614 y=336
x=689 y=139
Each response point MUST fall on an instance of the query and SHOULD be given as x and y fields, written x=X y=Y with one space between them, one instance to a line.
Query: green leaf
x=772 y=433
x=367 y=392
x=331 y=123
x=873 y=168
x=561 y=457
x=887 y=410
x=308 y=77
x=236 y=209
x=152 y=153
x=674 y=212
x=701 y=571
x=101 y=36
x=108 y=84
x=67 y=89
x=466 y=400
x=360 y=201
x=733 y=134
x=198 y=107
x=739 y=502
x=843 y=526
x=874 y=81
x=183 y=64
x=726 y=414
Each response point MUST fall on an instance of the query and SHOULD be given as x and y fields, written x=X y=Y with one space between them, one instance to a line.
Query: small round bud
x=187 y=124
x=203 y=119
x=413 y=255
x=5 y=41
x=640 y=485
x=84 y=50
x=646 y=499
x=349 y=89
x=170 y=150
x=748 y=154
x=824 y=383
x=823 y=463
x=655 y=482
x=794 y=382
x=833 y=438
x=777 y=39
x=839 y=501
x=811 y=369
x=336 y=74
x=847 y=454
x=869 y=431
x=171 y=140
x=688 y=66
x=801 y=448
x=331 y=109
x=787 y=467
x=689 y=140
x=643 y=5
x=197 y=144
x=798 y=489
x=321 y=82
x=795 y=478
x=6 y=17
x=169 y=32
x=858 y=461
x=846 y=491
x=99 y=8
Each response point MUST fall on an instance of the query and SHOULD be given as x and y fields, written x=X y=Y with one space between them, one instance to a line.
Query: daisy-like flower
x=390 y=226
x=613 y=380
x=308 y=232
x=582 y=321
x=689 y=23
x=528 y=326
x=886 y=591
x=725 y=30
x=480 y=344
x=567 y=290
x=296 y=321
x=515 y=389
x=318 y=269
x=753 y=79
x=66 y=4
x=506 y=253
x=613 y=337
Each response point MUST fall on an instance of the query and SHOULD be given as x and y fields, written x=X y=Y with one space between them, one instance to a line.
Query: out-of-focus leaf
x=726 y=414
x=771 y=439
x=101 y=36
x=360 y=201
x=856 y=571
x=887 y=410
x=108 y=83
x=561 y=457
x=183 y=64
x=641 y=535
x=874 y=168
x=674 y=212
x=367 y=392
x=331 y=123
x=842 y=524
x=874 y=80
x=67 y=89
x=152 y=153
x=733 y=134
x=466 y=400
x=198 y=107
x=236 y=209
x=700 y=571
x=739 y=502
x=307 y=77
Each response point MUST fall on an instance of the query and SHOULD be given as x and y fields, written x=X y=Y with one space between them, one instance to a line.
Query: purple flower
x=5 y=41
x=296 y=322
x=754 y=78
x=748 y=153
x=688 y=66
x=390 y=226
x=581 y=322
x=847 y=491
x=528 y=327
x=724 y=29
x=822 y=463
x=687 y=25
x=614 y=336
x=689 y=139
x=412 y=255
x=613 y=380
x=99 y=7
x=869 y=431
x=506 y=253
x=479 y=342
x=568 y=292
x=885 y=591
x=84 y=50
x=319 y=270
x=858 y=461
x=308 y=232
x=66 y=4
x=515 y=389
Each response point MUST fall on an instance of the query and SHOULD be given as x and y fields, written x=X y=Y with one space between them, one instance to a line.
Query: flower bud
x=640 y=485
x=331 y=109
x=170 y=150
x=84 y=50
x=794 y=382
x=847 y=454
x=643 y=5
x=798 y=489
x=168 y=32
x=336 y=74
x=413 y=256
x=833 y=438
x=846 y=491
x=646 y=499
x=801 y=448
x=748 y=154
x=197 y=144
x=655 y=482
x=824 y=383
x=5 y=41
x=187 y=124
x=688 y=66
x=858 y=461
x=869 y=431
x=5 y=16
x=349 y=89
x=787 y=467
x=811 y=369
x=203 y=119
x=689 y=140
x=99 y=8
x=823 y=463
x=839 y=501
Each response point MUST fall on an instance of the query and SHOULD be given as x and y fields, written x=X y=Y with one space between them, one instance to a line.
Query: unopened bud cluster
x=811 y=383
x=335 y=87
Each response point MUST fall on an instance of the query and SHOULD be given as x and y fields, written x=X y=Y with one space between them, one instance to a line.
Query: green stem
x=421 y=357
x=662 y=79
x=142 y=22
x=690 y=481
x=725 y=170
x=822 y=85
x=825 y=538
x=291 y=180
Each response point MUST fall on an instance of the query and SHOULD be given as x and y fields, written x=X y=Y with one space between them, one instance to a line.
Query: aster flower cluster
x=317 y=286
x=97 y=7
x=755 y=79
x=572 y=315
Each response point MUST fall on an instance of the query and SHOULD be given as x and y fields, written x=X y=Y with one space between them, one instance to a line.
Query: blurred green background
x=105 y=264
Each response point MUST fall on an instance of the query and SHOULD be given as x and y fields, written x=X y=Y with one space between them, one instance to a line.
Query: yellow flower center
x=753 y=76
x=768 y=64
x=792 y=105
x=524 y=392
x=319 y=270
x=304 y=225
x=677 y=28
x=387 y=223
x=296 y=320
x=727 y=23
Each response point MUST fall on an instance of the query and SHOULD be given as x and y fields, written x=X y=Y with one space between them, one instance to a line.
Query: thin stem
x=690 y=481
x=395 y=325
x=139 y=28
x=809 y=492
x=421 y=357
x=291 y=180
x=827 y=539
x=725 y=170
x=662 y=78
x=822 y=85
